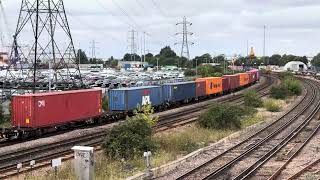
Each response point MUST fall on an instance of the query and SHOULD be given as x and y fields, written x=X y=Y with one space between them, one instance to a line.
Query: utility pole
x=132 y=44
x=185 y=33
x=264 y=40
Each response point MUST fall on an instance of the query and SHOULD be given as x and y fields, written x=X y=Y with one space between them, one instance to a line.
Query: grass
x=172 y=145
x=273 y=105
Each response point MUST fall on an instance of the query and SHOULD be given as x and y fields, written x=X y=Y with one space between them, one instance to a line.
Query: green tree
x=129 y=57
x=83 y=57
x=316 y=60
x=275 y=60
x=167 y=52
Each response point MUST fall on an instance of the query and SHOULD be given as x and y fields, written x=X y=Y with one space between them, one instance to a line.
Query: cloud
x=218 y=26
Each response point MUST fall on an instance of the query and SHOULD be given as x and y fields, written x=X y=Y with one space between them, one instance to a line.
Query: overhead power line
x=158 y=7
x=124 y=12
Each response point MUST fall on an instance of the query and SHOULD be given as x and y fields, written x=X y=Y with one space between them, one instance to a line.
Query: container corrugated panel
x=225 y=84
x=213 y=85
x=175 y=92
x=234 y=81
x=127 y=99
x=244 y=79
x=54 y=109
x=257 y=75
x=252 y=77
x=200 y=88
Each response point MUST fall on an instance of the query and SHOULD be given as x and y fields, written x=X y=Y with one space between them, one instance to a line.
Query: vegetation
x=251 y=99
x=105 y=103
x=210 y=71
x=289 y=87
x=2 y=118
x=189 y=73
x=272 y=105
x=279 y=92
x=221 y=116
x=132 y=137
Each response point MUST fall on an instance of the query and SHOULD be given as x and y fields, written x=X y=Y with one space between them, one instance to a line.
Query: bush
x=293 y=86
x=252 y=99
x=285 y=75
x=129 y=139
x=279 y=92
x=189 y=73
x=272 y=105
x=221 y=116
x=132 y=137
x=105 y=103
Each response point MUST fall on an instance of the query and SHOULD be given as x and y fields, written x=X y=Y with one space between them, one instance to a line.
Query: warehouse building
x=295 y=66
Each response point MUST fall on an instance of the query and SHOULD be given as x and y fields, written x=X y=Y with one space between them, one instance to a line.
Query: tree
x=316 y=60
x=167 y=52
x=275 y=60
x=129 y=57
x=83 y=57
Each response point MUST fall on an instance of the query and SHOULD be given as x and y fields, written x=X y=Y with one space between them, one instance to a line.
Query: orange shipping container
x=213 y=85
x=244 y=79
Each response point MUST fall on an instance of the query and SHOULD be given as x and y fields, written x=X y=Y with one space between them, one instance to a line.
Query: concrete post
x=147 y=156
x=84 y=162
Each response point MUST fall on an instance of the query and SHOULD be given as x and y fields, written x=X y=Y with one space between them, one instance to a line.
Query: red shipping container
x=233 y=81
x=225 y=84
x=54 y=109
x=252 y=77
x=201 y=88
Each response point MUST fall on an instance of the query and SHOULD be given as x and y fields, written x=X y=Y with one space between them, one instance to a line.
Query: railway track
x=43 y=154
x=191 y=115
x=244 y=159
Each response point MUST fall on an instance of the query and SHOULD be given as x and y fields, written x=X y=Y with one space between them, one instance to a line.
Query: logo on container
x=146 y=92
x=41 y=103
x=146 y=100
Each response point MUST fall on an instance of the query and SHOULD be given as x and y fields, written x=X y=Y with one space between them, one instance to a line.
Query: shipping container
x=128 y=99
x=200 y=88
x=56 y=108
x=257 y=75
x=213 y=85
x=233 y=81
x=252 y=77
x=244 y=79
x=225 y=84
x=175 y=92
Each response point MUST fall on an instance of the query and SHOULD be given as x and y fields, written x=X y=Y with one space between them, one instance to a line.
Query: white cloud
x=219 y=26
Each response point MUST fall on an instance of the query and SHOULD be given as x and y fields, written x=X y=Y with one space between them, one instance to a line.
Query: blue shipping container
x=127 y=99
x=174 y=92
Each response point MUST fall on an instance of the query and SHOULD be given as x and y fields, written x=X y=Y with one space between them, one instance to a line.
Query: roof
x=135 y=88
x=179 y=83
x=58 y=93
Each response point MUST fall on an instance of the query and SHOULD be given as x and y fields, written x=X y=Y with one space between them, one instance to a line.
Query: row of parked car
x=127 y=99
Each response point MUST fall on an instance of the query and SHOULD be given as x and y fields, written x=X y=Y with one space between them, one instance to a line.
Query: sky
x=219 y=27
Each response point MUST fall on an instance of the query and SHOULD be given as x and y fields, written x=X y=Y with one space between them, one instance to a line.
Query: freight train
x=36 y=114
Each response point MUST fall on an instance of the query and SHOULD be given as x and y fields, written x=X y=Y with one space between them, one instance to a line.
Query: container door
x=117 y=100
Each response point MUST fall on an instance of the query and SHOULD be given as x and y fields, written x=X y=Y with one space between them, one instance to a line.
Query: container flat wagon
x=53 y=109
x=127 y=99
x=177 y=92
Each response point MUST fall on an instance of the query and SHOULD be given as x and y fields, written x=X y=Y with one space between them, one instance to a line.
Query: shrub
x=279 y=92
x=221 y=116
x=132 y=137
x=272 y=105
x=189 y=72
x=285 y=75
x=293 y=86
x=251 y=99
x=105 y=103
x=129 y=139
